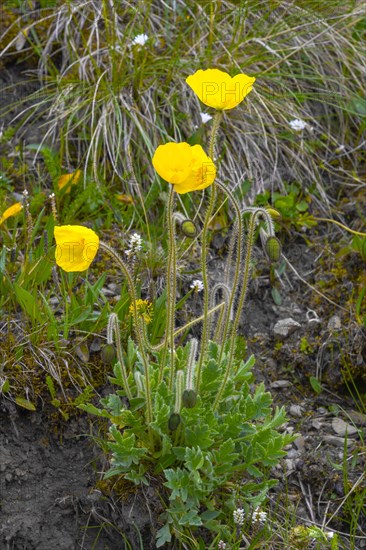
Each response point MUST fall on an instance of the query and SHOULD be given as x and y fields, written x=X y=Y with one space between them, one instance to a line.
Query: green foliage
x=208 y=453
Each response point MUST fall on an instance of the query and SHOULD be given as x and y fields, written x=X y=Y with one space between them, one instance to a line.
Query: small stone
x=293 y=453
x=334 y=323
x=290 y=464
x=95 y=346
x=107 y=292
x=285 y=327
x=300 y=443
x=316 y=424
x=281 y=384
x=8 y=478
x=296 y=410
x=338 y=441
x=358 y=418
x=342 y=428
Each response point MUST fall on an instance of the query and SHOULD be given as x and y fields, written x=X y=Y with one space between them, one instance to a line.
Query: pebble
x=342 y=428
x=334 y=323
x=316 y=424
x=285 y=327
x=296 y=410
x=95 y=345
x=358 y=418
x=281 y=384
x=338 y=441
x=300 y=443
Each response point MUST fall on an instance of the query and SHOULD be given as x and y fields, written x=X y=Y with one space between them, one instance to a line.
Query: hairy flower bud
x=189 y=399
x=108 y=354
x=189 y=228
x=174 y=422
x=273 y=248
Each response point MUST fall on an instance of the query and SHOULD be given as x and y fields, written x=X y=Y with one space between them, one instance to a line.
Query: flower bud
x=273 y=248
x=108 y=354
x=189 y=399
x=275 y=214
x=189 y=228
x=174 y=422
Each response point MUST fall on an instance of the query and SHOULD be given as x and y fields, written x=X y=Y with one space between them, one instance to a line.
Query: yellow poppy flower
x=186 y=167
x=11 y=211
x=218 y=89
x=69 y=180
x=76 y=247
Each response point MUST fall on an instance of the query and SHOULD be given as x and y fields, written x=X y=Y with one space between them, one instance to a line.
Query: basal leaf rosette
x=76 y=247
x=218 y=89
x=186 y=167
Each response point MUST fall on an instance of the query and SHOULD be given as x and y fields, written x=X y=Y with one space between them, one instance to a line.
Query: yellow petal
x=218 y=89
x=11 y=211
x=76 y=247
x=125 y=199
x=202 y=172
x=68 y=180
x=172 y=161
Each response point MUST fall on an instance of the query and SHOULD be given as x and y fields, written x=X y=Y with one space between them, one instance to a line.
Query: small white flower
x=140 y=40
x=205 y=117
x=297 y=124
x=329 y=534
x=340 y=149
x=197 y=285
x=136 y=241
x=239 y=516
x=221 y=545
x=259 y=516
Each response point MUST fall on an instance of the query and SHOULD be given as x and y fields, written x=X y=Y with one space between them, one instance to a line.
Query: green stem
x=204 y=339
x=140 y=341
x=242 y=297
x=171 y=284
x=238 y=238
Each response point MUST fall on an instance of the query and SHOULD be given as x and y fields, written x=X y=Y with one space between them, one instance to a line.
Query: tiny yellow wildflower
x=144 y=309
x=11 y=211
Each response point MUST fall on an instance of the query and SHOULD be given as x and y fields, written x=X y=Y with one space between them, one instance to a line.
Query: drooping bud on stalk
x=189 y=228
x=174 y=419
x=273 y=248
x=275 y=214
x=189 y=395
x=108 y=354
x=173 y=422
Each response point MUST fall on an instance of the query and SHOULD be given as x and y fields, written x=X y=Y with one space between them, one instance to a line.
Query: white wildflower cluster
x=135 y=245
x=221 y=545
x=239 y=516
x=140 y=40
x=197 y=285
x=329 y=534
x=297 y=124
x=259 y=516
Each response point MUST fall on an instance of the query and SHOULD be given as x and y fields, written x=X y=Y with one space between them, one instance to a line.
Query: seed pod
x=174 y=422
x=189 y=399
x=273 y=248
x=189 y=228
x=108 y=354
